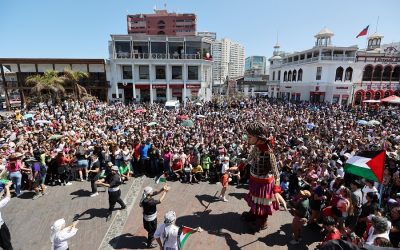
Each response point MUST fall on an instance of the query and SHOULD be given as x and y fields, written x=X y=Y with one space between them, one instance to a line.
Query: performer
x=149 y=205
x=263 y=168
x=112 y=181
x=167 y=234
x=60 y=234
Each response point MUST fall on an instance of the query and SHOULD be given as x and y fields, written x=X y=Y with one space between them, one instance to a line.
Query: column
x=133 y=83
x=184 y=84
x=151 y=83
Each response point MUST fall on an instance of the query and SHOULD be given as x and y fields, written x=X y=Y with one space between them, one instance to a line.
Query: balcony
x=127 y=55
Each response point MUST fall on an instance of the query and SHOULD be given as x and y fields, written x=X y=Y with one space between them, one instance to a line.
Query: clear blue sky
x=82 y=28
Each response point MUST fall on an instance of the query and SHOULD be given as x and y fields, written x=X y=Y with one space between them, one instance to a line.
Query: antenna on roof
x=165 y=5
x=377 y=22
x=155 y=8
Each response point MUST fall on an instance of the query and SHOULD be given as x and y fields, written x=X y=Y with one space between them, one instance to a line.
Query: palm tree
x=50 y=86
x=72 y=78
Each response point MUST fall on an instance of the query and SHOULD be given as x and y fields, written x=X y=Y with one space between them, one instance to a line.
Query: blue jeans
x=16 y=178
x=82 y=164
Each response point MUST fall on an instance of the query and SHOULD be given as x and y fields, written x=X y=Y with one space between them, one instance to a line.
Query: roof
x=324 y=32
x=375 y=35
x=52 y=60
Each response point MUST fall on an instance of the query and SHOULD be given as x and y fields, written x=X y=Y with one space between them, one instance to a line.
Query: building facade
x=16 y=70
x=378 y=71
x=323 y=73
x=162 y=23
x=159 y=68
x=256 y=65
x=228 y=57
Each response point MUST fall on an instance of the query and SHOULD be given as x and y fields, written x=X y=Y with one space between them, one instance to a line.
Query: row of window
x=160 y=72
x=297 y=76
x=293 y=76
x=380 y=74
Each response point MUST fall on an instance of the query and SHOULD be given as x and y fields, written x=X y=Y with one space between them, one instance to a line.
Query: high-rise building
x=256 y=65
x=162 y=23
x=228 y=57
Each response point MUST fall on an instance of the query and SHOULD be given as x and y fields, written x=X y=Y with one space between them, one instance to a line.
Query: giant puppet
x=263 y=174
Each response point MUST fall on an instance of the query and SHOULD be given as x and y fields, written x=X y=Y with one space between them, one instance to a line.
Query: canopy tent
x=391 y=99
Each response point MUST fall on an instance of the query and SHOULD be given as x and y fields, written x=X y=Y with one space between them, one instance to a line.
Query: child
x=278 y=197
x=332 y=233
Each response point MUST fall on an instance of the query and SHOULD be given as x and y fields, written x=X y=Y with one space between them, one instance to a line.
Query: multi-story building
x=255 y=65
x=378 y=70
x=323 y=73
x=14 y=72
x=162 y=23
x=159 y=68
x=228 y=57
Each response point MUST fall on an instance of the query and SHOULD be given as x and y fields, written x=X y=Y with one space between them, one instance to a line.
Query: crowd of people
x=74 y=141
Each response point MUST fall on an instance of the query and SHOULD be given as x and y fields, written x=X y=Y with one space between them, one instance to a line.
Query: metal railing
x=127 y=55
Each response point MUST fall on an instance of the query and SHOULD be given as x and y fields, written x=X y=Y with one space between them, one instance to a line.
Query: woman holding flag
x=149 y=205
x=171 y=237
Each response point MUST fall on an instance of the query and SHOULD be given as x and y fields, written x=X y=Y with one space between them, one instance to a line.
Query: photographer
x=93 y=174
x=60 y=234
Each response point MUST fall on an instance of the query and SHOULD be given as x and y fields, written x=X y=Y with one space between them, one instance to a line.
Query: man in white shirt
x=369 y=187
x=5 y=237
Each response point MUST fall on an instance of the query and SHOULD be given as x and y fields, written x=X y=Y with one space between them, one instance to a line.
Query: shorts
x=225 y=180
x=82 y=164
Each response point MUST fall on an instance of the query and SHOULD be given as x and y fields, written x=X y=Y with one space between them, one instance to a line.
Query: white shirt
x=170 y=242
x=225 y=166
x=60 y=240
x=366 y=190
x=3 y=203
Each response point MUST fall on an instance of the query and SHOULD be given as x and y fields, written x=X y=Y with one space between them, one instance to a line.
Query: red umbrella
x=138 y=111
x=182 y=117
x=391 y=99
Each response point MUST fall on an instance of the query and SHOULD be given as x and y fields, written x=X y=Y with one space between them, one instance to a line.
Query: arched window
x=396 y=74
x=386 y=73
x=161 y=22
x=289 y=76
x=377 y=76
x=285 y=76
x=387 y=93
x=359 y=97
x=294 y=75
x=367 y=75
x=300 y=75
x=349 y=74
x=369 y=95
x=377 y=95
x=339 y=74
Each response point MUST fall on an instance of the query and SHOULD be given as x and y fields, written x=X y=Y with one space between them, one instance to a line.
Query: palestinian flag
x=161 y=178
x=367 y=164
x=184 y=235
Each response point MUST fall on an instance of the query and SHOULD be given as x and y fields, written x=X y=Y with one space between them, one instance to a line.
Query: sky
x=82 y=28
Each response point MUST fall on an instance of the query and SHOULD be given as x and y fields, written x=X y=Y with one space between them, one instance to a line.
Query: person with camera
x=93 y=174
x=5 y=237
x=60 y=234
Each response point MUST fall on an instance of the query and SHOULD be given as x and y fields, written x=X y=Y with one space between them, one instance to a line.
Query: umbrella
x=187 y=123
x=201 y=116
x=55 y=137
x=362 y=122
x=183 y=117
x=138 y=111
x=43 y=122
x=310 y=125
x=151 y=124
x=374 y=122
x=27 y=116
x=391 y=99
x=199 y=104
x=371 y=101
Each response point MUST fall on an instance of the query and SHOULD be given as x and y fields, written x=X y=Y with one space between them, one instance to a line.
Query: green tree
x=72 y=78
x=48 y=86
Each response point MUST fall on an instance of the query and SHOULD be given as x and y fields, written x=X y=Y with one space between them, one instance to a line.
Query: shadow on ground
x=92 y=213
x=128 y=241
x=239 y=196
x=80 y=193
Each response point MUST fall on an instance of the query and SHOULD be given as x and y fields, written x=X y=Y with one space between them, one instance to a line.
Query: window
x=319 y=73
x=143 y=72
x=176 y=72
x=300 y=75
x=396 y=74
x=160 y=72
x=386 y=73
x=127 y=72
x=273 y=76
x=289 y=76
x=279 y=75
x=377 y=73
x=123 y=49
x=367 y=75
x=193 y=73
x=285 y=76
x=349 y=74
x=339 y=74
x=294 y=76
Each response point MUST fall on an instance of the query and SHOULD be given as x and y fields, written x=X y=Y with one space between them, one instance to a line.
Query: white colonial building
x=323 y=73
x=159 y=68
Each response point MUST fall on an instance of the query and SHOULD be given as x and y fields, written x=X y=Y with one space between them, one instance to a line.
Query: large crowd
x=60 y=144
